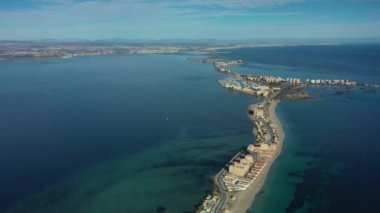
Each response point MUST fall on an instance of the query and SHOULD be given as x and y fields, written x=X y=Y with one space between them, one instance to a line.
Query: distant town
x=24 y=50
x=15 y=50
x=260 y=84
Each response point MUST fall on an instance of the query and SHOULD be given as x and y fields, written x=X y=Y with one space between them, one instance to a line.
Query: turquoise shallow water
x=174 y=175
x=330 y=167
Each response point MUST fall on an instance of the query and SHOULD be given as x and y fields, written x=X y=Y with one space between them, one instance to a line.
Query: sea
x=330 y=160
x=146 y=133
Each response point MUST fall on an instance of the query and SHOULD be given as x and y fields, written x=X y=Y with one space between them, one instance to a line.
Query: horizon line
x=335 y=39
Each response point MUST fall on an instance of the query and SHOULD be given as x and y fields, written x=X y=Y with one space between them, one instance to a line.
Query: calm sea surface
x=114 y=133
x=145 y=133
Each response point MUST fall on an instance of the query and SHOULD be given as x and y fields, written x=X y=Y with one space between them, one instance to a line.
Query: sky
x=188 y=19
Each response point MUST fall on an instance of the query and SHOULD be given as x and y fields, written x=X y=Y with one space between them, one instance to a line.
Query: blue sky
x=194 y=19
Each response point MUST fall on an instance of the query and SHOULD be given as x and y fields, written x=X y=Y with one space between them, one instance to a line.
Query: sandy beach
x=245 y=198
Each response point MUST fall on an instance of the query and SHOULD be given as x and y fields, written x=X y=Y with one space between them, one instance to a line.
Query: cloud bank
x=153 y=19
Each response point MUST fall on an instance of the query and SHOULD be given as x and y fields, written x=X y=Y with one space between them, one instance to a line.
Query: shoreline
x=242 y=178
x=245 y=199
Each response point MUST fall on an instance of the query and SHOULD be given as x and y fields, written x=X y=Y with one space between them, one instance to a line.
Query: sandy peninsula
x=244 y=199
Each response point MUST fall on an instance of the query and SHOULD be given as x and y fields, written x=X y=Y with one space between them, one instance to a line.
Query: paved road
x=224 y=192
x=223 y=197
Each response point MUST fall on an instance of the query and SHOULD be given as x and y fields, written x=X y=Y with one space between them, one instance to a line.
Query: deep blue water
x=357 y=62
x=330 y=160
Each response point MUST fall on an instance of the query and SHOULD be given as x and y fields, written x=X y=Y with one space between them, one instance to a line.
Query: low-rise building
x=257 y=110
x=262 y=149
x=241 y=165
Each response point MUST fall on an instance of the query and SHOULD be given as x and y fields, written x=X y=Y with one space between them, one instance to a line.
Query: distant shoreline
x=15 y=51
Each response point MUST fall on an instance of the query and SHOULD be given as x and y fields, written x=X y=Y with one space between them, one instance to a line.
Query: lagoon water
x=114 y=133
x=145 y=133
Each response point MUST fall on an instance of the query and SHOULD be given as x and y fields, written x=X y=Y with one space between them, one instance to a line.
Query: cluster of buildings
x=268 y=79
x=262 y=150
x=208 y=204
x=242 y=171
x=263 y=128
x=235 y=179
x=244 y=168
x=262 y=90
x=256 y=169
x=332 y=82
x=273 y=79
x=219 y=65
x=240 y=85
x=223 y=63
x=298 y=81
x=266 y=134
x=222 y=69
x=294 y=80
x=240 y=165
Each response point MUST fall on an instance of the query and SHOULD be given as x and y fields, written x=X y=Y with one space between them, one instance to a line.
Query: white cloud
x=240 y=4
x=148 y=18
x=71 y=11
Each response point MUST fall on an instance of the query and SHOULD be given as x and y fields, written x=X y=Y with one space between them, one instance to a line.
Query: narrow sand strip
x=245 y=198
